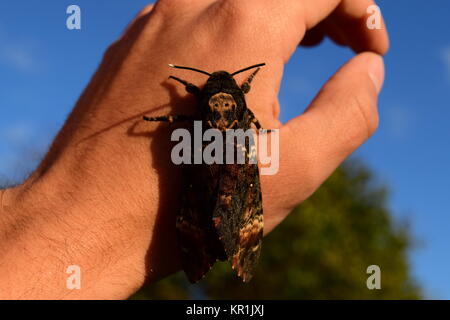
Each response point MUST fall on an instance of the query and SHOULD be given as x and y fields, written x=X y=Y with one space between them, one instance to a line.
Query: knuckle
x=168 y=7
x=366 y=110
x=238 y=10
x=358 y=119
x=248 y=20
x=147 y=9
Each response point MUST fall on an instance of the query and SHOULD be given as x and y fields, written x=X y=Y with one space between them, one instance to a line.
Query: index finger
x=349 y=20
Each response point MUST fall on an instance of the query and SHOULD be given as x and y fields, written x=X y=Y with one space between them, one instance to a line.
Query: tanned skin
x=102 y=198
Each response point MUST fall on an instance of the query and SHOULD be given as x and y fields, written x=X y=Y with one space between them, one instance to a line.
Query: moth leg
x=233 y=124
x=246 y=85
x=191 y=88
x=171 y=119
x=252 y=118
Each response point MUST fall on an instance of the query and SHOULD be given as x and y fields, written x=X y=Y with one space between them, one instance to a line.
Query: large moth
x=221 y=215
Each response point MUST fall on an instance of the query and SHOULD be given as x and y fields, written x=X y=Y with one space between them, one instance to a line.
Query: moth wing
x=197 y=238
x=238 y=217
x=251 y=228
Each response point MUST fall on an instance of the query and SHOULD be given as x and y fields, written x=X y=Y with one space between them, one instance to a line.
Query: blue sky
x=45 y=67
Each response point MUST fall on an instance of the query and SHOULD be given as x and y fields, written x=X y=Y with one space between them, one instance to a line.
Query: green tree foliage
x=321 y=251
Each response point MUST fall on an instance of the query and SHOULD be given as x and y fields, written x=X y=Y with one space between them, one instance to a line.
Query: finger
x=313 y=37
x=341 y=117
x=352 y=22
x=350 y=18
x=334 y=32
x=345 y=21
x=325 y=28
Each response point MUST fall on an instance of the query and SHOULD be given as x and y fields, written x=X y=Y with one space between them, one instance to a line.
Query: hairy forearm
x=40 y=240
x=98 y=199
x=80 y=208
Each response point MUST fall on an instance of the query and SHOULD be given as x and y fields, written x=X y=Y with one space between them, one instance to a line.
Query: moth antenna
x=189 y=68
x=248 y=68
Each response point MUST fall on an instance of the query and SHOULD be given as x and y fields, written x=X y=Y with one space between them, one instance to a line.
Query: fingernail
x=376 y=71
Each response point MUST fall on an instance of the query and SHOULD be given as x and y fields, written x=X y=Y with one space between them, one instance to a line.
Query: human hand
x=105 y=195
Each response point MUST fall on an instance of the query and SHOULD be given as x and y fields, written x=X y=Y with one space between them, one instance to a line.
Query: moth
x=221 y=216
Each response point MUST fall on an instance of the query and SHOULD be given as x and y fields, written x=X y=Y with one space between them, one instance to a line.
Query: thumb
x=342 y=116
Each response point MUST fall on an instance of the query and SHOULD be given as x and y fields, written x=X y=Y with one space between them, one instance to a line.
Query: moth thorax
x=223 y=107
